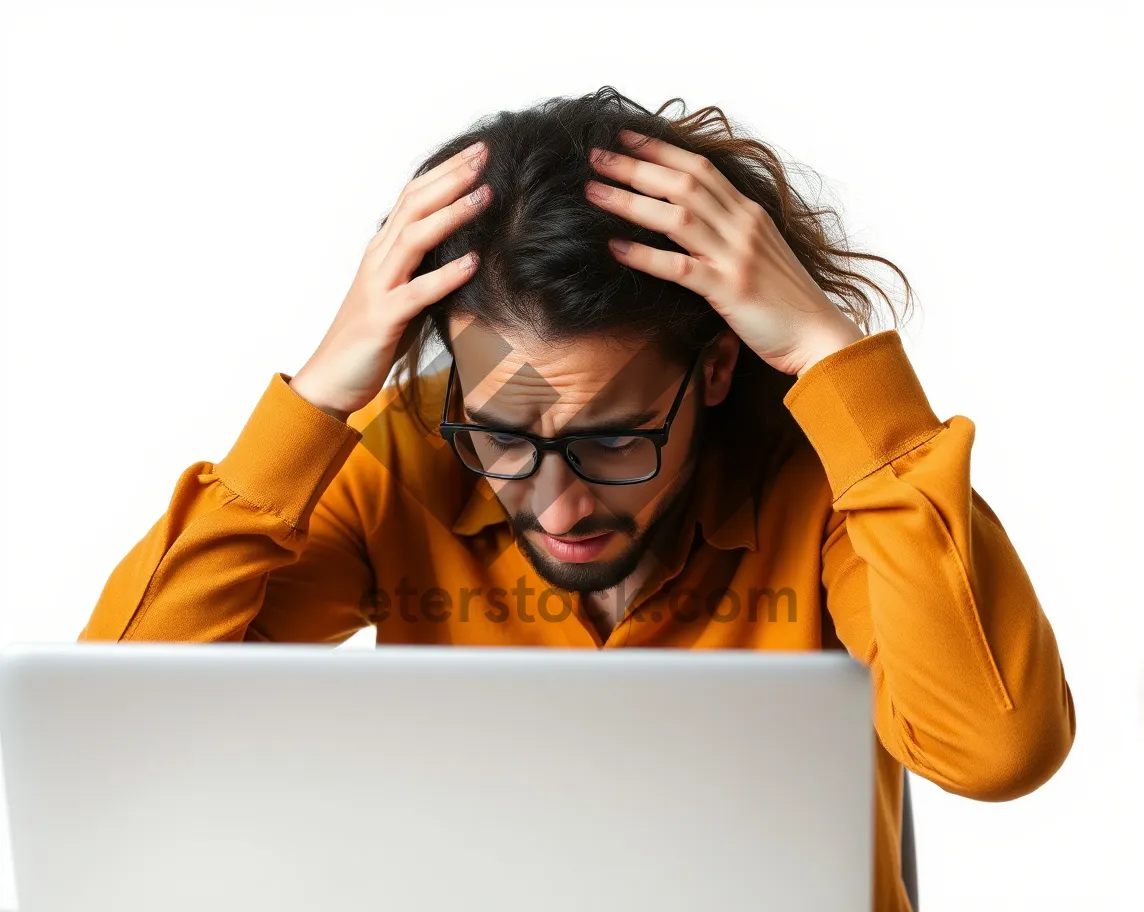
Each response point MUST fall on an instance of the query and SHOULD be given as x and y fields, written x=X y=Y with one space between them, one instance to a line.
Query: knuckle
x=739 y=283
x=682 y=266
x=402 y=204
x=687 y=183
x=410 y=204
x=759 y=217
x=753 y=227
x=704 y=164
x=372 y=246
x=405 y=237
x=748 y=240
x=682 y=217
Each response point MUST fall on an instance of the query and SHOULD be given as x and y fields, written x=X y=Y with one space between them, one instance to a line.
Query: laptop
x=187 y=777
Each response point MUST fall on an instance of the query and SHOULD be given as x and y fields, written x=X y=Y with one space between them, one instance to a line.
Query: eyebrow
x=628 y=420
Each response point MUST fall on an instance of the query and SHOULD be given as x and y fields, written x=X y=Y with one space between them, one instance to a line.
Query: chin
x=586 y=576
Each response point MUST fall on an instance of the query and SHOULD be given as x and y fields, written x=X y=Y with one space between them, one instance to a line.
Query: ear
x=718 y=367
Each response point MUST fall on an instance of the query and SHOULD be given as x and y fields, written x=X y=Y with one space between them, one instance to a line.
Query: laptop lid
x=299 y=777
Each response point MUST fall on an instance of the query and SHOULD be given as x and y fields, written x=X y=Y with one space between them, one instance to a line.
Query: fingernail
x=473 y=149
x=601 y=157
x=620 y=245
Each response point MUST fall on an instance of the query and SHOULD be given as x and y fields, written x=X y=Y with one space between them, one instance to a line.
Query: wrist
x=829 y=341
x=316 y=401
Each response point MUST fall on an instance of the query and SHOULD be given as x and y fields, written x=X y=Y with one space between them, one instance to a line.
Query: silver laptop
x=295 y=778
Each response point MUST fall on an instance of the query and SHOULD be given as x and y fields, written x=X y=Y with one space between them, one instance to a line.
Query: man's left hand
x=738 y=259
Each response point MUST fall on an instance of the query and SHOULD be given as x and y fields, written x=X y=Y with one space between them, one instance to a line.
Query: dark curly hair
x=545 y=266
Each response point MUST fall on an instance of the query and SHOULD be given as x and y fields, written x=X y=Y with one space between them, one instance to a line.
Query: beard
x=659 y=537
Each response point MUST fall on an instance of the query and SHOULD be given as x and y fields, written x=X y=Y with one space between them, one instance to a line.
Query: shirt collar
x=724 y=491
x=481 y=509
x=726 y=498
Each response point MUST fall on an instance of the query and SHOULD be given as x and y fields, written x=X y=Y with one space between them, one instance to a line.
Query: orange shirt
x=868 y=538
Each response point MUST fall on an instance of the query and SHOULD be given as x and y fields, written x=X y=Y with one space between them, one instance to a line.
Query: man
x=580 y=493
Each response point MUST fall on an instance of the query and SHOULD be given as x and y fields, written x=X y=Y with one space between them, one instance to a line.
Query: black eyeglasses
x=615 y=456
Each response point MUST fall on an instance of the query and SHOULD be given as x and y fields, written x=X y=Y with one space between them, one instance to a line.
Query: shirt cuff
x=287 y=453
x=862 y=407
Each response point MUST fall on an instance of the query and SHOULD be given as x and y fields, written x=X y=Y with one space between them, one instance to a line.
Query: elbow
x=1022 y=751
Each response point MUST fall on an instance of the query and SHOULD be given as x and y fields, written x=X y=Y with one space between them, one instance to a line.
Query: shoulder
x=403 y=469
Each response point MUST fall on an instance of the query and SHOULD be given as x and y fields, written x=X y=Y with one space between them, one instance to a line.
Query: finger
x=433 y=286
x=430 y=198
x=671 y=266
x=655 y=180
x=649 y=148
x=449 y=164
x=412 y=241
x=679 y=223
x=432 y=190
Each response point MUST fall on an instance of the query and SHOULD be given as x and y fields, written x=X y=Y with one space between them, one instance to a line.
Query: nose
x=560 y=498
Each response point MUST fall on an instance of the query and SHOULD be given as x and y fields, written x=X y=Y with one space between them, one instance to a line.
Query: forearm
x=924 y=585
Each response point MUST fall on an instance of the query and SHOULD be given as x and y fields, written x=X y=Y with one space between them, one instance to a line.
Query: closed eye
x=617 y=443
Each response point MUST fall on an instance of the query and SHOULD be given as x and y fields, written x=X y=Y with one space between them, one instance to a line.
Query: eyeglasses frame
x=560 y=444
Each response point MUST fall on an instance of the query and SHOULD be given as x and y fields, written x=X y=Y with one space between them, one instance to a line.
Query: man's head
x=546 y=272
x=520 y=382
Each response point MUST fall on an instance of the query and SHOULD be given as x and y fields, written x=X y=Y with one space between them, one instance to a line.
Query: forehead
x=521 y=377
x=490 y=361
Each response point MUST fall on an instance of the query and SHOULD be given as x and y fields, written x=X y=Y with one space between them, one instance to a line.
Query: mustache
x=589 y=525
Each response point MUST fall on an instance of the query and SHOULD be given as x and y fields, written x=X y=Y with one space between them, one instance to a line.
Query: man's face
x=576 y=534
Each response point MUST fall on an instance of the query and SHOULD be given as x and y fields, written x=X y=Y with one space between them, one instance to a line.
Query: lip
x=578 y=551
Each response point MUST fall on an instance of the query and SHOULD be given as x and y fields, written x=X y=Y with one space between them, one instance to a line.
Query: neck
x=607 y=607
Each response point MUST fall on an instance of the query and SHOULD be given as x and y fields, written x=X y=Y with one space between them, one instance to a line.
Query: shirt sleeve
x=250 y=548
x=925 y=587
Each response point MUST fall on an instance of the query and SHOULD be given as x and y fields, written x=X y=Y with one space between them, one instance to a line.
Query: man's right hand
x=356 y=355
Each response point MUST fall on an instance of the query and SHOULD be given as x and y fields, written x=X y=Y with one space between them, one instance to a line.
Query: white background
x=188 y=191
